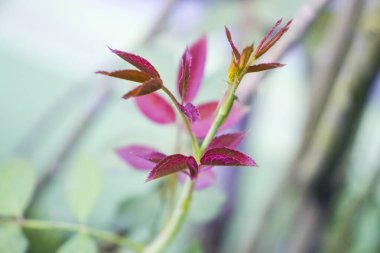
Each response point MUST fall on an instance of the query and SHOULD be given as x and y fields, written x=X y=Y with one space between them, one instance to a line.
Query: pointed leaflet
x=17 y=182
x=172 y=164
x=183 y=74
x=137 y=61
x=139 y=156
x=231 y=140
x=265 y=46
x=155 y=108
x=190 y=111
x=226 y=157
x=234 y=49
x=245 y=56
x=197 y=55
x=127 y=74
x=79 y=243
x=264 y=66
x=207 y=114
x=146 y=88
x=83 y=187
x=12 y=239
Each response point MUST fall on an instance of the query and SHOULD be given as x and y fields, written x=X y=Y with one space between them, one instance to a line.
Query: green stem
x=176 y=221
x=71 y=227
x=221 y=115
x=186 y=121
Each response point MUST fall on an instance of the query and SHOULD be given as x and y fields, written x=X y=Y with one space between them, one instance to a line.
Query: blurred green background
x=313 y=126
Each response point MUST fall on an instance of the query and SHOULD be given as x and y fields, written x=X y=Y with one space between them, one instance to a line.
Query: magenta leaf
x=195 y=65
x=183 y=74
x=264 y=66
x=154 y=157
x=138 y=156
x=146 y=88
x=155 y=108
x=137 y=61
x=234 y=49
x=127 y=74
x=190 y=111
x=207 y=114
x=172 y=164
x=266 y=45
x=227 y=157
x=231 y=140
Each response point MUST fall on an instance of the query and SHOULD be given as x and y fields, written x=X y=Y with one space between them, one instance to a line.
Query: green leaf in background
x=11 y=239
x=79 y=244
x=83 y=187
x=17 y=181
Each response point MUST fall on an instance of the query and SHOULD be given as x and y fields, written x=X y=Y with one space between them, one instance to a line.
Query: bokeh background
x=313 y=126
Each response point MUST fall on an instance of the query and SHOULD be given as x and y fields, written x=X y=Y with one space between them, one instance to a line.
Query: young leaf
x=137 y=61
x=83 y=187
x=12 y=239
x=139 y=156
x=183 y=74
x=197 y=53
x=264 y=66
x=79 y=243
x=127 y=74
x=155 y=108
x=231 y=140
x=235 y=51
x=172 y=164
x=227 y=157
x=17 y=182
x=264 y=47
x=146 y=88
x=190 y=111
x=207 y=114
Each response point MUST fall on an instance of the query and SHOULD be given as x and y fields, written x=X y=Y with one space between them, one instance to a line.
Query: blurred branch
x=341 y=236
x=304 y=18
x=329 y=61
x=311 y=177
x=159 y=24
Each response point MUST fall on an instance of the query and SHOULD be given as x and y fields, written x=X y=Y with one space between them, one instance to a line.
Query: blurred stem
x=70 y=227
x=172 y=227
x=194 y=141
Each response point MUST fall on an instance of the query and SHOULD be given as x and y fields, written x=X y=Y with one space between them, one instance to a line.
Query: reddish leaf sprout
x=202 y=121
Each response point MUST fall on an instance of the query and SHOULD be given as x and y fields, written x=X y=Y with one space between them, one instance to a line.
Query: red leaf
x=231 y=140
x=190 y=111
x=264 y=66
x=172 y=164
x=227 y=157
x=234 y=49
x=138 y=156
x=265 y=47
x=137 y=61
x=127 y=74
x=155 y=108
x=268 y=34
x=183 y=74
x=197 y=54
x=207 y=114
x=148 y=87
